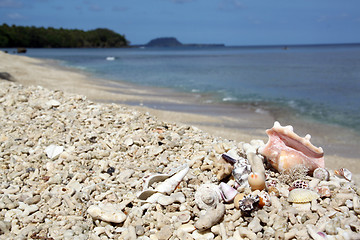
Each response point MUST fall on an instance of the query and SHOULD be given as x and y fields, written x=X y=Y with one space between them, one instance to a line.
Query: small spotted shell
x=208 y=196
x=322 y=174
x=264 y=199
x=300 y=184
x=344 y=172
x=299 y=195
x=271 y=182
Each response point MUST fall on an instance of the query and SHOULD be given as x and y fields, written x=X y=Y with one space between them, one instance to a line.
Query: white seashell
x=299 y=195
x=53 y=151
x=174 y=197
x=154 y=197
x=183 y=217
x=207 y=196
x=107 y=212
x=322 y=174
x=149 y=180
x=345 y=173
x=227 y=192
x=169 y=185
x=143 y=195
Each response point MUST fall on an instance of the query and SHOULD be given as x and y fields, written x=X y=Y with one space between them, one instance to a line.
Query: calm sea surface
x=321 y=83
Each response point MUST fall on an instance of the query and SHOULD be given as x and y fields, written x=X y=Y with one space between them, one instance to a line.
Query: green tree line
x=40 y=37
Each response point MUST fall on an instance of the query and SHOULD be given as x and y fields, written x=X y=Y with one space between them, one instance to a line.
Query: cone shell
x=300 y=195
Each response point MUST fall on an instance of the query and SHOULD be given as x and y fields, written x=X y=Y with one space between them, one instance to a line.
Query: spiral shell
x=207 y=196
x=322 y=174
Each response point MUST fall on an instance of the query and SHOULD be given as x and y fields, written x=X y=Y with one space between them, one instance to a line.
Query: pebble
x=72 y=169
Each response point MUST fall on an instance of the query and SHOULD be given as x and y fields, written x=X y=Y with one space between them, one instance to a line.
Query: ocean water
x=321 y=83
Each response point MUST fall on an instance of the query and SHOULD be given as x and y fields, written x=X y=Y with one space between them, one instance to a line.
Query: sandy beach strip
x=341 y=146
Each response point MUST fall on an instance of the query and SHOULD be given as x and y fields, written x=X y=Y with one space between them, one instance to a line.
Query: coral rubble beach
x=72 y=168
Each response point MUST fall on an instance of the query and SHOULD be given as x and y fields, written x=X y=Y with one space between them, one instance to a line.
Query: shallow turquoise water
x=316 y=82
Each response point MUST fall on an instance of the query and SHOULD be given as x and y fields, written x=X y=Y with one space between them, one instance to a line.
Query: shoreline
x=239 y=124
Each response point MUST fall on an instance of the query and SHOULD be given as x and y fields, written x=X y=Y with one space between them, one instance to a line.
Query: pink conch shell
x=285 y=149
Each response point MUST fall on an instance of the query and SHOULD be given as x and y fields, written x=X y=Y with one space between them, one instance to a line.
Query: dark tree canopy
x=40 y=37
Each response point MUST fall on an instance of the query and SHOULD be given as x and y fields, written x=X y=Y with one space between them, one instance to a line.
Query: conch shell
x=285 y=149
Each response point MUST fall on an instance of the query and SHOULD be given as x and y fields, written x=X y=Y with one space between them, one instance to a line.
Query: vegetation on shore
x=40 y=37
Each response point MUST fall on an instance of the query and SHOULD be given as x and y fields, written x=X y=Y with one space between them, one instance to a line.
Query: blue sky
x=233 y=22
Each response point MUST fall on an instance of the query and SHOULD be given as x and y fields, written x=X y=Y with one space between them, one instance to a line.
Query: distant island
x=173 y=42
x=40 y=37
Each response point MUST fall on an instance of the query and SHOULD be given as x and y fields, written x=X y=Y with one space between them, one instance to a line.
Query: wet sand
x=240 y=123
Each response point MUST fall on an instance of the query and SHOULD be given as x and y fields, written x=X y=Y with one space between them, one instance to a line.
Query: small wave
x=261 y=111
x=229 y=99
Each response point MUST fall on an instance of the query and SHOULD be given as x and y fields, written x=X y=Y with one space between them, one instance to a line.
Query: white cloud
x=95 y=8
x=10 y=3
x=119 y=9
x=230 y=4
x=181 y=1
x=15 y=16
